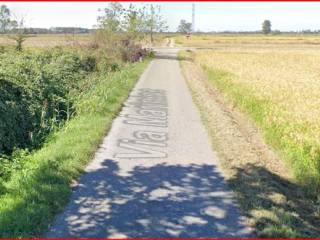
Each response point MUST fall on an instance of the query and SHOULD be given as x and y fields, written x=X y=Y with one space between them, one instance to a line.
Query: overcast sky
x=215 y=16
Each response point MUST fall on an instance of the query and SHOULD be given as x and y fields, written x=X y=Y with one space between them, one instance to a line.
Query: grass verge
x=274 y=204
x=297 y=157
x=38 y=191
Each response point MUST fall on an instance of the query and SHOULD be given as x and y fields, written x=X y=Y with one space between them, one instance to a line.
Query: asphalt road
x=155 y=174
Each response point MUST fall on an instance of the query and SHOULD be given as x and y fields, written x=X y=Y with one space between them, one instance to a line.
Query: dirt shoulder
x=265 y=189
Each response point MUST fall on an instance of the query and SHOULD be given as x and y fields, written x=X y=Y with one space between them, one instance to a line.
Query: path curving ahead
x=155 y=174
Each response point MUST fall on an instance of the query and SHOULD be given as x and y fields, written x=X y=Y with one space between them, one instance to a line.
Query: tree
x=18 y=33
x=120 y=29
x=111 y=20
x=133 y=23
x=108 y=35
x=266 y=27
x=184 y=27
x=154 y=21
x=4 y=18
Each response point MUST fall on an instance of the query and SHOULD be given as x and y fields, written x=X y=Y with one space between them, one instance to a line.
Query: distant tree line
x=273 y=32
x=52 y=30
x=186 y=27
x=14 y=28
x=10 y=24
x=58 y=30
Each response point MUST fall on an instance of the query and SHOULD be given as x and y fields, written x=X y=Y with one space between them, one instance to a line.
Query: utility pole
x=193 y=18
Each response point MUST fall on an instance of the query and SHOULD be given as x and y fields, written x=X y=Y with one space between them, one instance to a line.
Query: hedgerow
x=36 y=94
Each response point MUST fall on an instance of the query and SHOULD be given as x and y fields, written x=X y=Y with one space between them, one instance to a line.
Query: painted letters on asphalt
x=151 y=112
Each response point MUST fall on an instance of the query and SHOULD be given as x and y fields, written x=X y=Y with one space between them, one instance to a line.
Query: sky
x=214 y=16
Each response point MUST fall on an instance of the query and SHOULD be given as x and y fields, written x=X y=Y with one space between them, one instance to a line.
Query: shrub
x=131 y=52
x=15 y=119
x=36 y=94
x=38 y=88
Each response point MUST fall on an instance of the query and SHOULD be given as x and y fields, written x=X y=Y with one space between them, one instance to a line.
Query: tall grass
x=40 y=186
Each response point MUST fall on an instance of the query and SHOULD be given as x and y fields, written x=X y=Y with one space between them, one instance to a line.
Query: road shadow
x=158 y=201
x=279 y=207
x=168 y=56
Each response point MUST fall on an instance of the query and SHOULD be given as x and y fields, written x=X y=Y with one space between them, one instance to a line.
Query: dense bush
x=132 y=52
x=15 y=119
x=36 y=94
x=38 y=88
x=36 y=186
x=111 y=50
x=40 y=91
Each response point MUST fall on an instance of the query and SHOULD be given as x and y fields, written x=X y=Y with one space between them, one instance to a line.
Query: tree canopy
x=184 y=26
x=134 y=22
x=266 y=27
x=4 y=18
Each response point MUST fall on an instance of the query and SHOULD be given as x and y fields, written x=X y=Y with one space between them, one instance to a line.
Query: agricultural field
x=249 y=41
x=74 y=40
x=274 y=82
x=281 y=92
x=50 y=40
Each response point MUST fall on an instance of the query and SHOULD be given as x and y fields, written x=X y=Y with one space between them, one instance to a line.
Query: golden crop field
x=254 y=41
x=276 y=80
x=49 y=40
x=259 y=98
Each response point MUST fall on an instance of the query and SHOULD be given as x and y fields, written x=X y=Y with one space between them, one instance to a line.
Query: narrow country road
x=155 y=174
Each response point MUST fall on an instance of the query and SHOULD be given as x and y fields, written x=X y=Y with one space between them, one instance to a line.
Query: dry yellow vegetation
x=50 y=40
x=281 y=90
x=256 y=41
x=54 y=40
x=274 y=205
x=276 y=80
x=275 y=83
